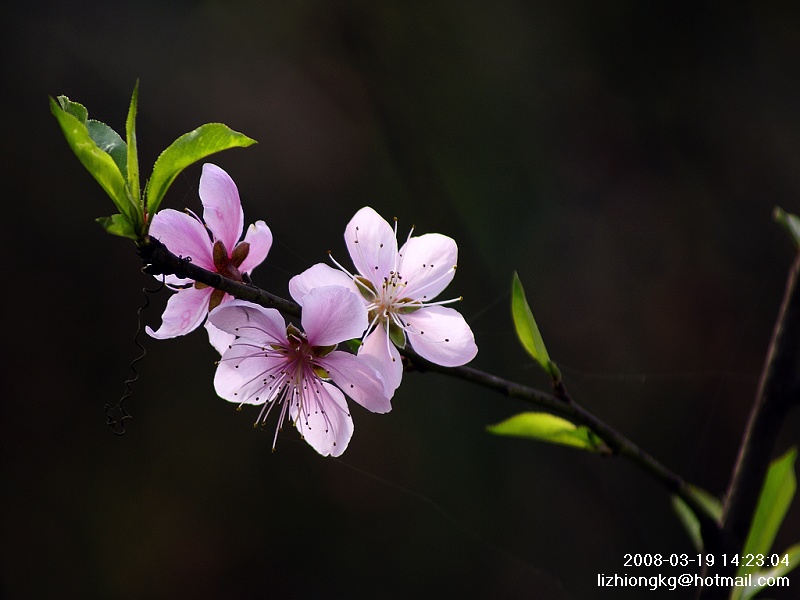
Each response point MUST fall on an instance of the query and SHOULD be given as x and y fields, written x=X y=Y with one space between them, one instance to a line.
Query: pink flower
x=397 y=288
x=211 y=243
x=272 y=365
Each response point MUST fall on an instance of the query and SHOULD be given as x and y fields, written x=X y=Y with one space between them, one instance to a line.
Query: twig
x=777 y=392
x=159 y=260
x=564 y=404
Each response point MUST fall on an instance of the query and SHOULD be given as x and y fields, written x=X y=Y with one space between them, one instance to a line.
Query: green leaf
x=790 y=222
x=186 y=150
x=527 y=330
x=781 y=570
x=711 y=504
x=132 y=165
x=688 y=518
x=689 y=521
x=99 y=163
x=118 y=225
x=776 y=496
x=550 y=428
x=109 y=142
x=76 y=109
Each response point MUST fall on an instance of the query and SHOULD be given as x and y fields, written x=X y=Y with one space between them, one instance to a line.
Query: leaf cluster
x=114 y=162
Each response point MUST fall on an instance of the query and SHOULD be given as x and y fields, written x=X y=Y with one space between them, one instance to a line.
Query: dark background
x=624 y=157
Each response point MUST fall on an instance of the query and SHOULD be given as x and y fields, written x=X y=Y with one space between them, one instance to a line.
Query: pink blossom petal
x=259 y=237
x=222 y=209
x=183 y=236
x=173 y=280
x=333 y=314
x=264 y=326
x=243 y=375
x=428 y=265
x=372 y=245
x=358 y=379
x=383 y=357
x=324 y=421
x=185 y=310
x=441 y=335
x=221 y=340
x=316 y=276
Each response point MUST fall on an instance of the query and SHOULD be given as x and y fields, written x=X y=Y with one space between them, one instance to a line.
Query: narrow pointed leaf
x=792 y=558
x=709 y=501
x=186 y=150
x=99 y=163
x=688 y=518
x=132 y=166
x=550 y=428
x=790 y=222
x=118 y=225
x=527 y=330
x=689 y=521
x=776 y=496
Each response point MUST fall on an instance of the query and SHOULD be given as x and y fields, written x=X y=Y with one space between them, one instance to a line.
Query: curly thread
x=116 y=415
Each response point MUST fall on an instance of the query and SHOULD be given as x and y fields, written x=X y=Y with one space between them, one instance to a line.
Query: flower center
x=386 y=306
x=227 y=266
x=293 y=383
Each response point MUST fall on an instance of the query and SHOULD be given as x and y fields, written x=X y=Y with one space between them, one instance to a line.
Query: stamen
x=364 y=287
x=190 y=212
x=397 y=321
x=281 y=419
x=389 y=344
x=334 y=261
x=443 y=302
x=397 y=257
x=372 y=324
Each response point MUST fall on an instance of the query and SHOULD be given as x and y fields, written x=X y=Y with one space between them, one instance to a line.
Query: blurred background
x=624 y=157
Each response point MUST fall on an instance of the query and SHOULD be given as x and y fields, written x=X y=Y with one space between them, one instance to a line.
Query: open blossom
x=272 y=365
x=398 y=288
x=212 y=243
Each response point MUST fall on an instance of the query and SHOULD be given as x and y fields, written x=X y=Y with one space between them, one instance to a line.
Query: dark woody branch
x=778 y=391
x=159 y=260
